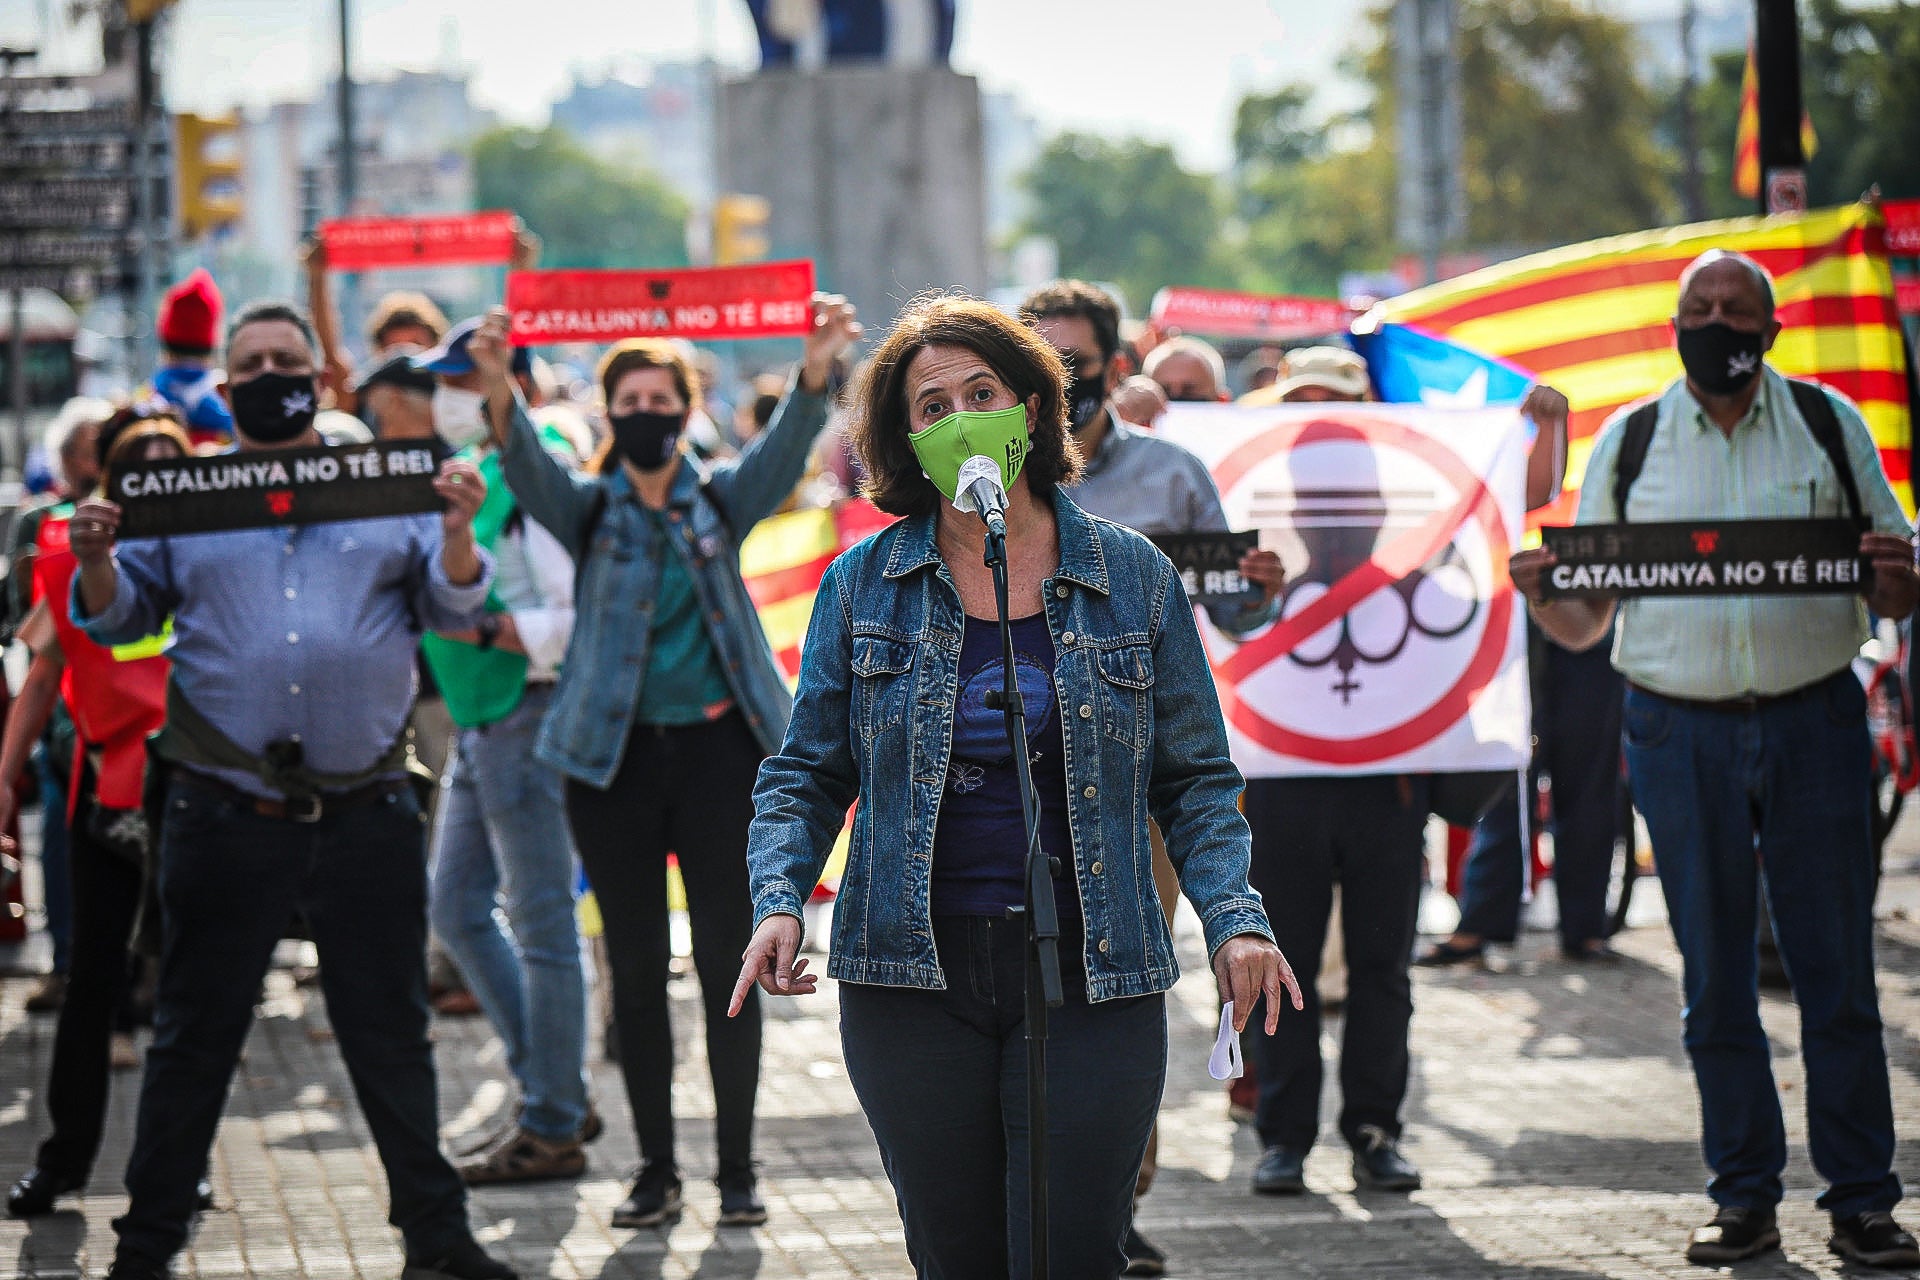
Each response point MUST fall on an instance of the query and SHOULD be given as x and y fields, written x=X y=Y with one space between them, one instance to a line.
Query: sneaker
x=740 y=1203
x=1445 y=953
x=1377 y=1161
x=1736 y=1232
x=36 y=1191
x=1281 y=1171
x=1142 y=1258
x=655 y=1200
x=525 y=1157
x=464 y=1261
x=49 y=995
x=1874 y=1239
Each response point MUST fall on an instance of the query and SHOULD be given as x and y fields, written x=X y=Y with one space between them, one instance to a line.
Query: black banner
x=1209 y=564
x=1706 y=558
x=268 y=487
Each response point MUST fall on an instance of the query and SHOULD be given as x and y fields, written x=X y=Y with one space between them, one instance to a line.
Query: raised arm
x=560 y=498
x=753 y=487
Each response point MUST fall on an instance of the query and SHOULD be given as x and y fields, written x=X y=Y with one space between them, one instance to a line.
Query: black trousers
x=230 y=880
x=106 y=897
x=942 y=1076
x=686 y=791
x=1366 y=835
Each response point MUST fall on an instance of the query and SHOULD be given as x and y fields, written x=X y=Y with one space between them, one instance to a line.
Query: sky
x=1167 y=71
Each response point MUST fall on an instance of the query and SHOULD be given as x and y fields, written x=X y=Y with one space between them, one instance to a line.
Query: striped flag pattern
x=1746 y=137
x=783 y=560
x=1593 y=319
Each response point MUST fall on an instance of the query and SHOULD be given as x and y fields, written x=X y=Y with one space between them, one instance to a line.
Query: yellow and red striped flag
x=783 y=560
x=1594 y=319
x=1746 y=138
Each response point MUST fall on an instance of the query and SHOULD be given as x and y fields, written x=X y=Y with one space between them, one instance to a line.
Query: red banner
x=465 y=239
x=1906 y=295
x=1247 y=315
x=1903 y=227
x=763 y=300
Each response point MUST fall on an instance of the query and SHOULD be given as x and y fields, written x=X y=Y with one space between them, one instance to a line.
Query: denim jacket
x=874 y=720
x=599 y=521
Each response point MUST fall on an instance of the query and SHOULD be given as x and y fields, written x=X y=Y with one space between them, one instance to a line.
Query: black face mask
x=1719 y=358
x=272 y=408
x=646 y=439
x=1086 y=395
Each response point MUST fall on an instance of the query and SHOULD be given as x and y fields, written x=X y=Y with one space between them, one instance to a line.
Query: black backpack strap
x=1816 y=407
x=1636 y=436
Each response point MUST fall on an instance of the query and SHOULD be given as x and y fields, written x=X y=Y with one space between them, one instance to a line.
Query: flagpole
x=1776 y=54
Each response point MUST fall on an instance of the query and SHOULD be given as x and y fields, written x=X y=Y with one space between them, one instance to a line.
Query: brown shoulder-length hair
x=130 y=445
x=1026 y=363
x=621 y=359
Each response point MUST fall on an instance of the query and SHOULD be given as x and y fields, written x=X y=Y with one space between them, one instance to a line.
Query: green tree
x=1125 y=211
x=587 y=212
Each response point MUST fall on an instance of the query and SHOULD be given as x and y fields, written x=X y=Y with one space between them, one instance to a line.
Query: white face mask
x=459 y=415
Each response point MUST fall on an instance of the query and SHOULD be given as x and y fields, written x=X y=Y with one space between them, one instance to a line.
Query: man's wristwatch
x=487 y=630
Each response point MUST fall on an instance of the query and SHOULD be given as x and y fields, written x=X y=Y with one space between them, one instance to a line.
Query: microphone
x=979 y=489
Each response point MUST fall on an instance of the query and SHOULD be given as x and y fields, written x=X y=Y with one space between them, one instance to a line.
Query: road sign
x=62 y=249
x=95 y=203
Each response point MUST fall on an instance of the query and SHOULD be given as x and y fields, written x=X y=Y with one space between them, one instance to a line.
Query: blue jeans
x=501 y=841
x=1790 y=780
x=230 y=882
x=942 y=1076
x=1576 y=723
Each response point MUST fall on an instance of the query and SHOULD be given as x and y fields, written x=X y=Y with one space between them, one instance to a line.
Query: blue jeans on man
x=501 y=841
x=1773 y=797
x=230 y=881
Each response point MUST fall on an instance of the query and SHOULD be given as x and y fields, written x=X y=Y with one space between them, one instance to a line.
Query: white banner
x=1401 y=645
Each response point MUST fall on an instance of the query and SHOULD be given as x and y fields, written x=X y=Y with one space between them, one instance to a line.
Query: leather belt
x=305 y=811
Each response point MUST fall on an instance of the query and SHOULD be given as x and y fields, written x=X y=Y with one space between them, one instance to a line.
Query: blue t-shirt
x=980 y=840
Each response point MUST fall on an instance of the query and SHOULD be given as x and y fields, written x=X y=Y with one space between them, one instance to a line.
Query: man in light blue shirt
x=292 y=678
x=1746 y=732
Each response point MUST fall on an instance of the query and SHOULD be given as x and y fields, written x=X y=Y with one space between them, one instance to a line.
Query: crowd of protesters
x=569 y=656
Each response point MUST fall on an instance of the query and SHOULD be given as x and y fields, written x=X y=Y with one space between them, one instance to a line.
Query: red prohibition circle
x=1488 y=656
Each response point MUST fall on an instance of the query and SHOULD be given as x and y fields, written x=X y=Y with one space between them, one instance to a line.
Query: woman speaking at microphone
x=1122 y=724
x=667 y=702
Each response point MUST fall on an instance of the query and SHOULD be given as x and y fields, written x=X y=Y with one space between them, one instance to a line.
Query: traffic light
x=206 y=172
x=740 y=229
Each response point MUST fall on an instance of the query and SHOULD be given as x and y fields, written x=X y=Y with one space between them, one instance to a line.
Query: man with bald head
x=1746 y=733
x=1188 y=370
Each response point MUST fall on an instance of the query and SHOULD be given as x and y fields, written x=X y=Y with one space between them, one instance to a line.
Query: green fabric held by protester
x=483 y=686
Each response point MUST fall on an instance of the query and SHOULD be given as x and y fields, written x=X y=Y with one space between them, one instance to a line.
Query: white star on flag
x=1471 y=394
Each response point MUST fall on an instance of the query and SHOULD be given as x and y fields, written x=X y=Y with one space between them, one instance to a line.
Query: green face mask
x=942 y=447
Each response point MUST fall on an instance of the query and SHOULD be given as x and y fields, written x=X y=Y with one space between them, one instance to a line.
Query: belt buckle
x=305 y=809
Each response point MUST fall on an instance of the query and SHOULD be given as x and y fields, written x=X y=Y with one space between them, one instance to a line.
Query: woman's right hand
x=769 y=961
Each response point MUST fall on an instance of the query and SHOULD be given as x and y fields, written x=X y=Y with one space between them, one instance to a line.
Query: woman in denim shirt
x=667 y=702
x=1123 y=725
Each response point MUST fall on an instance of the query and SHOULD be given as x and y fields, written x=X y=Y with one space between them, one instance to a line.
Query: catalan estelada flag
x=1746 y=137
x=1594 y=319
x=783 y=560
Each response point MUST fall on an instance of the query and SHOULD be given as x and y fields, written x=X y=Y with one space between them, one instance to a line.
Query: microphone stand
x=1041 y=914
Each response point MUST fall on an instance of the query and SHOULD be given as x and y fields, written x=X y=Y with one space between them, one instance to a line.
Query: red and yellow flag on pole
x=1594 y=319
x=1746 y=138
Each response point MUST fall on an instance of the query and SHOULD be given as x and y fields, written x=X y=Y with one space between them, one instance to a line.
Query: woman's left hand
x=1248 y=966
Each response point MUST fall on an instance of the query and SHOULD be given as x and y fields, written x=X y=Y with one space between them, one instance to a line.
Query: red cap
x=190 y=313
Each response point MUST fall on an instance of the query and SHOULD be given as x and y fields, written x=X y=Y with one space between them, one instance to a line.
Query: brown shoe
x=525 y=1157
x=49 y=995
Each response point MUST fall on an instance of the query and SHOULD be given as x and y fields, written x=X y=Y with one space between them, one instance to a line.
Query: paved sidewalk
x=1552 y=1112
